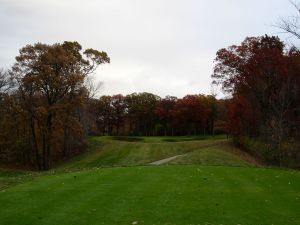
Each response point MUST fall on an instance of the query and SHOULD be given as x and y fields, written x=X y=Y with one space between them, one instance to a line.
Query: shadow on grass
x=127 y=138
x=165 y=138
x=195 y=138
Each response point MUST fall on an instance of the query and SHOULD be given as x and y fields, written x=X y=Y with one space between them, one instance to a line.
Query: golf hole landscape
x=115 y=182
x=149 y=112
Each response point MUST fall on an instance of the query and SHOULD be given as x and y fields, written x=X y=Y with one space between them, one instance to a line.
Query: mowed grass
x=134 y=151
x=224 y=154
x=156 y=195
x=210 y=183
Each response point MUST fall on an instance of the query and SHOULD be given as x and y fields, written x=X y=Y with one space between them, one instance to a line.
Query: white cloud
x=159 y=46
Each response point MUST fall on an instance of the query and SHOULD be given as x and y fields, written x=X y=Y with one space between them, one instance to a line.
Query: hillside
x=133 y=151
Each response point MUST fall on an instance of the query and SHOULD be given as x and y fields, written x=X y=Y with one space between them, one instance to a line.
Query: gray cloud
x=159 y=46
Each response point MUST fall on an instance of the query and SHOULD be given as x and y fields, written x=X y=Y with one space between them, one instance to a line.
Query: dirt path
x=163 y=161
x=243 y=155
x=166 y=160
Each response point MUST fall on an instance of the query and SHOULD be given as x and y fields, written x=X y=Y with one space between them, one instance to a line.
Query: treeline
x=47 y=109
x=147 y=114
x=263 y=76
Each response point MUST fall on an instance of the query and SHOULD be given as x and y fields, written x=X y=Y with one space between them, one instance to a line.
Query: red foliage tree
x=263 y=79
x=191 y=113
x=163 y=111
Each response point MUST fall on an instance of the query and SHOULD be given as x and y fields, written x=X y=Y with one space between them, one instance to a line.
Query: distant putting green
x=156 y=195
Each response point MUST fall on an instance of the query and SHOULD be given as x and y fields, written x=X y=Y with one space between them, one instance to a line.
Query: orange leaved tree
x=50 y=81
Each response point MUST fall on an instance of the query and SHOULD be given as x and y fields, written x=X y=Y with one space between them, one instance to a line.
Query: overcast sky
x=159 y=46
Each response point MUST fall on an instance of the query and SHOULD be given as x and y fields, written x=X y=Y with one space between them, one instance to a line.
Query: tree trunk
x=47 y=142
x=66 y=141
x=35 y=144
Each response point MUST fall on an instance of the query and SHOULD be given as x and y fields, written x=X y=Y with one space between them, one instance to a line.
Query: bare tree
x=4 y=81
x=92 y=86
x=291 y=24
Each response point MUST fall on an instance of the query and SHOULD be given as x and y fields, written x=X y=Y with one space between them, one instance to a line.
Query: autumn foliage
x=148 y=114
x=262 y=75
x=43 y=112
x=47 y=110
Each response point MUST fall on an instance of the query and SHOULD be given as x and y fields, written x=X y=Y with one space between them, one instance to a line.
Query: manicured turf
x=225 y=155
x=156 y=195
x=188 y=190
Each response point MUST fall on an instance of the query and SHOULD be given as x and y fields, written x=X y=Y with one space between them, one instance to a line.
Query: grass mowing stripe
x=157 y=195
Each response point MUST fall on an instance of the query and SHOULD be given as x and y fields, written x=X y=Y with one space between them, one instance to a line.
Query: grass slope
x=156 y=195
x=133 y=151
x=225 y=154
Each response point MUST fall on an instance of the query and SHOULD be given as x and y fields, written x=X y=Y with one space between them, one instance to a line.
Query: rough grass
x=156 y=195
x=9 y=178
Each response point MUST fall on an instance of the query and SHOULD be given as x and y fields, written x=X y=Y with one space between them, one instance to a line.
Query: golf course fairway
x=160 y=195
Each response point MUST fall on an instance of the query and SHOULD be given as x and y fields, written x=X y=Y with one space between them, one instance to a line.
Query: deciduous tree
x=49 y=78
